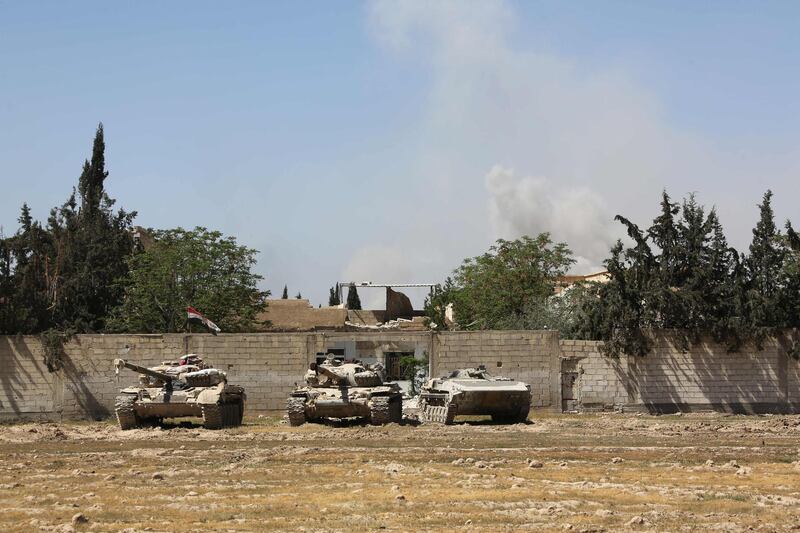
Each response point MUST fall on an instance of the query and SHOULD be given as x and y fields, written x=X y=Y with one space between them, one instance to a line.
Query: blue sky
x=388 y=140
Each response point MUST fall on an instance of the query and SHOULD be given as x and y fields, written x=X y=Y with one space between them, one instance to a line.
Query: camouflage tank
x=188 y=387
x=473 y=391
x=345 y=390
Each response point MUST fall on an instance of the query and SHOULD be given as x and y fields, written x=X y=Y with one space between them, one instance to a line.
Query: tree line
x=84 y=270
x=679 y=273
x=88 y=269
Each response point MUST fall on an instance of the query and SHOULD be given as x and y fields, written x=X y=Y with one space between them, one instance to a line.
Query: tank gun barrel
x=122 y=363
x=334 y=377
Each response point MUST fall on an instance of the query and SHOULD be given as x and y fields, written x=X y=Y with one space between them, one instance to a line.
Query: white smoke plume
x=529 y=206
x=588 y=142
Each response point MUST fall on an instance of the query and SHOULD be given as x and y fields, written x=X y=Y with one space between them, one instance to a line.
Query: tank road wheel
x=296 y=410
x=124 y=409
x=212 y=416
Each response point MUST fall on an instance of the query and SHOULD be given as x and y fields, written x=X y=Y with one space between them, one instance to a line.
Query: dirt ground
x=601 y=472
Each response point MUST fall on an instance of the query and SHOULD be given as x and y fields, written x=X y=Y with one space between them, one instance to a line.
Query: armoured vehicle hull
x=473 y=391
x=174 y=391
x=345 y=390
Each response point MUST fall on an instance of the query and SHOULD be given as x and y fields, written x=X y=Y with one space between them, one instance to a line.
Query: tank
x=473 y=391
x=186 y=388
x=335 y=389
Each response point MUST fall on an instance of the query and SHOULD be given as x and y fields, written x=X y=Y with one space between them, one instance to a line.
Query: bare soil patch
x=602 y=472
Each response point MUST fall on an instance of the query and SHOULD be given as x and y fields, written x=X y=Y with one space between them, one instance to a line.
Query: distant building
x=300 y=315
x=563 y=283
x=293 y=315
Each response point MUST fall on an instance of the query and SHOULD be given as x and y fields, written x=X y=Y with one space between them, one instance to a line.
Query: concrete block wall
x=26 y=387
x=708 y=376
x=704 y=377
x=530 y=356
x=793 y=382
x=89 y=383
x=791 y=345
x=268 y=364
x=602 y=382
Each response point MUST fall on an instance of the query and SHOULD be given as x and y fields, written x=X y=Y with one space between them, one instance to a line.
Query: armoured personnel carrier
x=336 y=389
x=473 y=391
x=188 y=387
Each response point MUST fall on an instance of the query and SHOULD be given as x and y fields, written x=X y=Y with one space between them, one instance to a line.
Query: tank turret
x=352 y=374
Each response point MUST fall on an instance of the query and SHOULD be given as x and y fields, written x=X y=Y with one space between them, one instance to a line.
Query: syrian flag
x=197 y=317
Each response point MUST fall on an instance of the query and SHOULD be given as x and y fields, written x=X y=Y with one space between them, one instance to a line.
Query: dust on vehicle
x=473 y=391
x=337 y=389
x=188 y=387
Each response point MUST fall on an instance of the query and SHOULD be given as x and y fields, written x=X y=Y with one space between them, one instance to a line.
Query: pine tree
x=790 y=294
x=695 y=282
x=664 y=233
x=717 y=286
x=285 y=295
x=662 y=300
x=764 y=266
x=29 y=249
x=7 y=286
x=618 y=315
x=691 y=272
x=353 y=301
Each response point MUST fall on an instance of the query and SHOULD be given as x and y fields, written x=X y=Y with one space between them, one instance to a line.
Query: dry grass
x=599 y=472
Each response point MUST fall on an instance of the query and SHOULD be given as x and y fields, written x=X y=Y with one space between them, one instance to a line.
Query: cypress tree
x=718 y=285
x=353 y=301
x=665 y=303
x=695 y=282
x=299 y=296
x=664 y=233
x=285 y=295
x=764 y=266
x=333 y=297
x=691 y=273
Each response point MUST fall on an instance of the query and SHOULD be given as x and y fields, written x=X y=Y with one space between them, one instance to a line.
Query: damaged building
x=398 y=316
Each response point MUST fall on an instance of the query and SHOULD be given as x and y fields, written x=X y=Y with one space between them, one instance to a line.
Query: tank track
x=126 y=415
x=385 y=409
x=442 y=414
x=222 y=415
x=296 y=411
